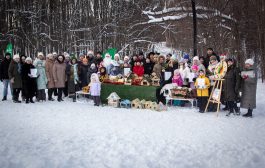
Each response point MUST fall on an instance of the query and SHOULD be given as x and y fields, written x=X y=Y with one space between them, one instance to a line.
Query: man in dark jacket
x=210 y=53
x=4 y=75
x=14 y=74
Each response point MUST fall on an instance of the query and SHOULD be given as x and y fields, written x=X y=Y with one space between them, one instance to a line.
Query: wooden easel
x=217 y=85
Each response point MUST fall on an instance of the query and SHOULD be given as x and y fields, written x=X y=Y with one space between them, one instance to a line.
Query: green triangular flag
x=111 y=51
x=9 y=49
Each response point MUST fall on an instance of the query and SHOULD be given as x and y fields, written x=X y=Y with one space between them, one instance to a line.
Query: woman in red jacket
x=138 y=69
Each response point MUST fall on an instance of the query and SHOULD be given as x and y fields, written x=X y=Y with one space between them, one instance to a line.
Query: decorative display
x=114 y=100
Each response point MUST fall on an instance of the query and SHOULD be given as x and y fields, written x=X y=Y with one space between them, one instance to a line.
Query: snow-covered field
x=73 y=135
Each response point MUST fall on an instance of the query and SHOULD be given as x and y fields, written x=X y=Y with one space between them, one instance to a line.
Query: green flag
x=9 y=49
x=111 y=51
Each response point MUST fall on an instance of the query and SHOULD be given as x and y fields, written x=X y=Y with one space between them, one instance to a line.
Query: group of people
x=65 y=74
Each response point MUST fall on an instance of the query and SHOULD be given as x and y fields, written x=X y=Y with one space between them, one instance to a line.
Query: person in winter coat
x=73 y=78
x=138 y=69
x=14 y=74
x=49 y=73
x=91 y=70
x=102 y=74
x=4 y=75
x=202 y=84
x=177 y=79
x=107 y=62
x=84 y=67
x=248 y=88
x=98 y=59
x=59 y=75
x=185 y=72
x=211 y=72
x=159 y=67
x=148 y=67
x=28 y=80
x=231 y=86
x=126 y=62
x=133 y=61
x=210 y=53
x=41 y=80
x=22 y=62
x=40 y=56
x=91 y=58
x=67 y=62
x=95 y=88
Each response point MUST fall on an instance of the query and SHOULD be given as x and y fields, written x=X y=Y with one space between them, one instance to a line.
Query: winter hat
x=54 y=53
x=49 y=56
x=81 y=54
x=182 y=60
x=107 y=55
x=186 y=56
x=176 y=71
x=196 y=58
x=67 y=55
x=195 y=68
x=90 y=53
x=126 y=57
x=28 y=59
x=249 y=61
x=213 y=57
x=40 y=54
x=222 y=56
x=16 y=56
x=117 y=55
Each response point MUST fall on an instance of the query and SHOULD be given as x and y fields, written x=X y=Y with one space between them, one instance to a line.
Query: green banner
x=9 y=49
x=111 y=51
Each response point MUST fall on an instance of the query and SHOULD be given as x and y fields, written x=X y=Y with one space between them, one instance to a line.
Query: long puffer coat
x=249 y=89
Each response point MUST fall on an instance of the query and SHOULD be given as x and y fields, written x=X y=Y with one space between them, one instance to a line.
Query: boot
x=4 y=98
x=51 y=99
x=27 y=101
x=16 y=101
x=237 y=110
x=230 y=112
x=225 y=108
x=31 y=101
x=248 y=114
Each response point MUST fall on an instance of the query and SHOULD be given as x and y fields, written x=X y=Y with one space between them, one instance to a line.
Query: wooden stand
x=217 y=85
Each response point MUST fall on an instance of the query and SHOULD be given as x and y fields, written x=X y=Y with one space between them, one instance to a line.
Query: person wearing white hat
x=28 y=80
x=248 y=88
x=14 y=73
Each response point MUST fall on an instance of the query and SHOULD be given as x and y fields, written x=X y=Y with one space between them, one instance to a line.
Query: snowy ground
x=73 y=135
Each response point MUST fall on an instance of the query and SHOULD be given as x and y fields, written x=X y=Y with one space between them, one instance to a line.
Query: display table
x=130 y=92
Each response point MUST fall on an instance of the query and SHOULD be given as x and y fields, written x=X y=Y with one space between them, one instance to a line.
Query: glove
x=1 y=80
x=12 y=80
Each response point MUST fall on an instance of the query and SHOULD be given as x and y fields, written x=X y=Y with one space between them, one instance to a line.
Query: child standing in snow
x=177 y=80
x=95 y=88
x=202 y=84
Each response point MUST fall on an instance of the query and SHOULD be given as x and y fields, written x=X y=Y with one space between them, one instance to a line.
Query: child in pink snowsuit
x=177 y=79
